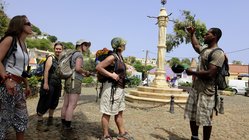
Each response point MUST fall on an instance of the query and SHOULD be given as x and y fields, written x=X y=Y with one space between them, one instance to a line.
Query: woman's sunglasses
x=28 y=23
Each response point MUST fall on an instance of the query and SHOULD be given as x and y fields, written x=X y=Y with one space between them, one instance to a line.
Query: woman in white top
x=14 y=60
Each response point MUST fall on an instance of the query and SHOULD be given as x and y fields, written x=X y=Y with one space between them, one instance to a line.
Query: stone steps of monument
x=138 y=99
x=159 y=90
x=164 y=96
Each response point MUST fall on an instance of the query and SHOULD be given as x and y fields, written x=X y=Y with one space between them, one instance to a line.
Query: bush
x=88 y=80
x=33 y=83
x=133 y=81
x=187 y=84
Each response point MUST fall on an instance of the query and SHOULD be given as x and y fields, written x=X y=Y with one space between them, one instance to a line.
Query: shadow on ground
x=83 y=129
x=172 y=136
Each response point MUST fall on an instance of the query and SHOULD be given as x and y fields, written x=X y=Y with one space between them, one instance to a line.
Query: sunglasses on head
x=28 y=23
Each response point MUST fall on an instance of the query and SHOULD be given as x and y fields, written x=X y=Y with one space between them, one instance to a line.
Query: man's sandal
x=125 y=136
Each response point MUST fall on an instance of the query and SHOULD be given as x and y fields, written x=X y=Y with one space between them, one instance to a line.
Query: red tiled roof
x=234 y=68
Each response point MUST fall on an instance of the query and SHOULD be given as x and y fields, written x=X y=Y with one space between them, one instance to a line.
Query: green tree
x=87 y=53
x=138 y=66
x=46 y=45
x=237 y=62
x=174 y=60
x=68 y=45
x=148 y=67
x=36 y=30
x=4 y=20
x=89 y=64
x=186 y=61
x=130 y=60
x=181 y=35
x=52 y=38
x=41 y=44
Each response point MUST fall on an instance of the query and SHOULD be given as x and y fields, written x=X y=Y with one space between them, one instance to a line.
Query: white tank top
x=22 y=60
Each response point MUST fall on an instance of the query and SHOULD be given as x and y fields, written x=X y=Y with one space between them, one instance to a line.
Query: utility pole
x=145 y=65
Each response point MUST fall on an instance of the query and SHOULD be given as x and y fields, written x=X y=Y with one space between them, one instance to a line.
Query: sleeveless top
x=51 y=73
x=120 y=69
x=17 y=62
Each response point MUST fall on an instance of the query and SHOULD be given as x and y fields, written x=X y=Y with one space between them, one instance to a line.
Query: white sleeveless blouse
x=21 y=58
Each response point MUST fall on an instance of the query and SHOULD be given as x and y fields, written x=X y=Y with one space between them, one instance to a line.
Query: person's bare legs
x=119 y=122
x=63 y=109
x=51 y=113
x=73 y=98
x=50 y=117
x=19 y=135
x=105 y=124
x=64 y=106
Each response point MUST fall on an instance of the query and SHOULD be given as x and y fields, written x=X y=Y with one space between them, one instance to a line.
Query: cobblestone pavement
x=143 y=121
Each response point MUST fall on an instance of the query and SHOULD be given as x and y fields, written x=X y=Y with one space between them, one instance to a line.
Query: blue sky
x=101 y=20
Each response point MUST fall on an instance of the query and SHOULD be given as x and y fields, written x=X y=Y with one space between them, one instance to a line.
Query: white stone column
x=160 y=79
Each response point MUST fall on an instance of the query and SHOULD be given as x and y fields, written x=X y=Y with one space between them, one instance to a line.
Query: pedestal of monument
x=144 y=94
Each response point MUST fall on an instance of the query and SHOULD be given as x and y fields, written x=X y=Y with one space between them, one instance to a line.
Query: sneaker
x=50 y=121
x=41 y=127
x=125 y=136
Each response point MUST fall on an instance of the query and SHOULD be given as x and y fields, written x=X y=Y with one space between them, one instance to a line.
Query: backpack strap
x=13 y=48
x=71 y=59
x=216 y=97
x=211 y=53
x=115 y=61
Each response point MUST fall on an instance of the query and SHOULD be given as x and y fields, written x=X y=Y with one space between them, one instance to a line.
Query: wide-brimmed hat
x=177 y=68
x=81 y=41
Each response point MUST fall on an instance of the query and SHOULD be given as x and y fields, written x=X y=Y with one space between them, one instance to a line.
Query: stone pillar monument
x=160 y=80
x=159 y=91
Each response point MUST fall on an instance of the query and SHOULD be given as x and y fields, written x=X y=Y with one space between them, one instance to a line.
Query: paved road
x=144 y=122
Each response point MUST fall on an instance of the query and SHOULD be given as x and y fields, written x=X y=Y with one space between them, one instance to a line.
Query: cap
x=117 y=42
x=79 y=42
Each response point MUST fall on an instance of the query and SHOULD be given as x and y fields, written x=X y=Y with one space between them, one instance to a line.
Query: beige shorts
x=106 y=105
x=72 y=87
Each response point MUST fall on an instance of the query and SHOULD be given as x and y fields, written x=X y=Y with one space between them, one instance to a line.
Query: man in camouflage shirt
x=201 y=100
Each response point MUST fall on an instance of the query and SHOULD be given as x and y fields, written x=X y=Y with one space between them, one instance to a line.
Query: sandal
x=125 y=136
x=106 y=138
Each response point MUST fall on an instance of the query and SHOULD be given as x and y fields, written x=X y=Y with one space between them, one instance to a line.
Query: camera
x=25 y=74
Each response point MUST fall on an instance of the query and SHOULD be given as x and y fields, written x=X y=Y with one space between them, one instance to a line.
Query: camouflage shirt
x=204 y=84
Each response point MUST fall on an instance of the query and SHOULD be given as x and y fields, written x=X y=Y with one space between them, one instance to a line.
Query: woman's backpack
x=64 y=69
x=100 y=56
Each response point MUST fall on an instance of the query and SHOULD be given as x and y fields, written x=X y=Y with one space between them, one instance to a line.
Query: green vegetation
x=88 y=80
x=133 y=82
x=180 y=35
x=4 y=20
x=89 y=65
x=185 y=84
x=33 y=84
